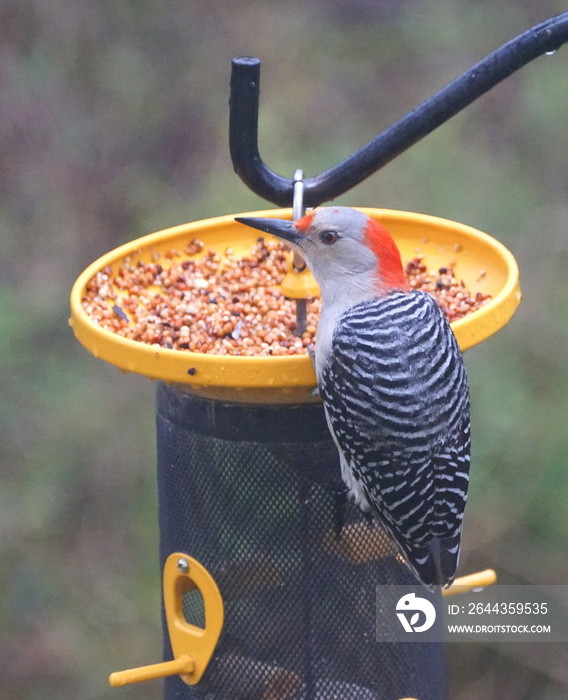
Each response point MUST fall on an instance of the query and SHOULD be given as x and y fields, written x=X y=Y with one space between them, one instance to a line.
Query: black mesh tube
x=251 y=492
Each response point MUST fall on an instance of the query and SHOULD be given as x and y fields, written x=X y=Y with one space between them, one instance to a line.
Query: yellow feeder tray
x=483 y=263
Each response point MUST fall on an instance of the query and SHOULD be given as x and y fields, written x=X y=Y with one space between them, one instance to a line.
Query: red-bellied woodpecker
x=393 y=385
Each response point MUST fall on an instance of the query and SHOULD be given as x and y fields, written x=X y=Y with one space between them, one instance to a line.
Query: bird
x=393 y=385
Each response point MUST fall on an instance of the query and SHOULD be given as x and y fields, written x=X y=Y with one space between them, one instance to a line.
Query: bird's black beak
x=277 y=227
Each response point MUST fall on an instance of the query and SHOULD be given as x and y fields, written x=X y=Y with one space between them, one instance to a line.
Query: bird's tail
x=433 y=564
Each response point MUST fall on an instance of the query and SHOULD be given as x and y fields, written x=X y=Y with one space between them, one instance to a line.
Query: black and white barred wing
x=396 y=398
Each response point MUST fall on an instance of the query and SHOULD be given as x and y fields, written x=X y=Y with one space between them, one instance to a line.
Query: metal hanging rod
x=546 y=37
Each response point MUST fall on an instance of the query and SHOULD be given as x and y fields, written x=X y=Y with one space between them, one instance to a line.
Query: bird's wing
x=396 y=395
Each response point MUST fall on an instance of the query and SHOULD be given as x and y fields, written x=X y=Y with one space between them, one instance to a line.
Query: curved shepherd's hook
x=546 y=37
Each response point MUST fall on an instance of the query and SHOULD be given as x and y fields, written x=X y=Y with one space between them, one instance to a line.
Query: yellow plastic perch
x=471 y=582
x=483 y=263
x=192 y=646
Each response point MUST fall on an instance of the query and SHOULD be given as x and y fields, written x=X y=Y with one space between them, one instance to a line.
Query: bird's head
x=347 y=251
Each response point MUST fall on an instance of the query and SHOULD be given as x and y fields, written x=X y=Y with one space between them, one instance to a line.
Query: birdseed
x=229 y=305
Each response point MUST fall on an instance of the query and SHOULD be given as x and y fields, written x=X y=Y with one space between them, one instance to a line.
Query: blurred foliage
x=113 y=124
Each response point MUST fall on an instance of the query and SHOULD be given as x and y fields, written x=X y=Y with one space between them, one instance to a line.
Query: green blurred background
x=113 y=124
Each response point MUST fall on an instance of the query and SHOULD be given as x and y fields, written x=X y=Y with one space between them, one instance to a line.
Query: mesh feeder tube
x=248 y=477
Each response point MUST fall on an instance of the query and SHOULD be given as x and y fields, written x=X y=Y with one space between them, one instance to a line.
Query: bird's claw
x=340 y=506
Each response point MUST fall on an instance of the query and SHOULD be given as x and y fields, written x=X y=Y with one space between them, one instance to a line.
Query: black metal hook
x=546 y=37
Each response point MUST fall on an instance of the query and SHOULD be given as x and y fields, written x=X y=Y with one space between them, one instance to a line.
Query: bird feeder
x=263 y=596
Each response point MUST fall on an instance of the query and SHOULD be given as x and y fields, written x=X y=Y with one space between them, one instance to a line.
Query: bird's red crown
x=391 y=272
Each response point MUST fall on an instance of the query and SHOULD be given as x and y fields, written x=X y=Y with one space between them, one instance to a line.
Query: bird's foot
x=341 y=500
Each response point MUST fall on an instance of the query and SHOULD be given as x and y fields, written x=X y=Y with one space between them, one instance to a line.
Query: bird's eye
x=329 y=237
